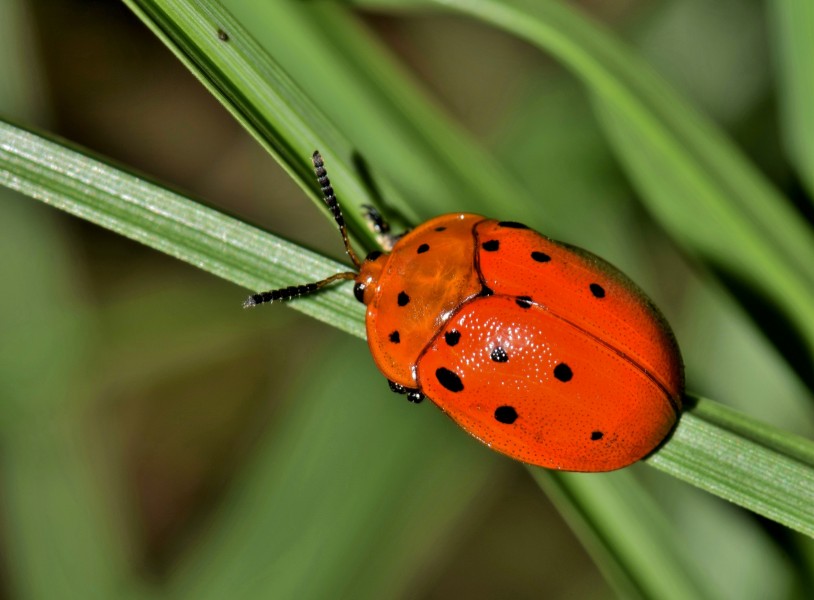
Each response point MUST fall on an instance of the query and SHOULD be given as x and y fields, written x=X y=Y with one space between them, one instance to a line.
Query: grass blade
x=260 y=95
x=122 y=202
x=702 y=191
x=629 y=537
x=792 y=24
x=349 y=496
x=63 y=536
x=354 y=79
x=423 y=151
x=770 y=472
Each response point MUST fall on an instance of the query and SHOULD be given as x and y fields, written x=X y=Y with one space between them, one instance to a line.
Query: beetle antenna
x=330 y=199
x=294 y=291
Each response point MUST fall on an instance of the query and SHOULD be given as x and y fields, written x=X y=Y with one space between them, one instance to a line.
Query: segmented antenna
x=330 y=199
x=295 y=291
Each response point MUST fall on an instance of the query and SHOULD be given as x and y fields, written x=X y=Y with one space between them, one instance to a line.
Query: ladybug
x=540 y=350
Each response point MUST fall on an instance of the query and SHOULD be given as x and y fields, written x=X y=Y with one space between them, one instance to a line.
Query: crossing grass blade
x=792 y=26
x=359 y=84
x=626 y=533
x=258 y=92
x=702 y=191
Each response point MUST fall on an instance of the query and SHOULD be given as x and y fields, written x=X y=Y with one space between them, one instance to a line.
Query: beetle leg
x=380 y=227
x=413 y=395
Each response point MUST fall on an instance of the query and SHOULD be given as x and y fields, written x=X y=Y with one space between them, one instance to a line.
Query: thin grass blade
x=258 y=92
x=626 y=533
x=792 y=26
x=115 y=199
x=770 y=472
x=695 y=182
x=357 y=82
x=349 y=496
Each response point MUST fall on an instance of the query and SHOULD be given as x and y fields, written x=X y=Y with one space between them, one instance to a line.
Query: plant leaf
x=75 y=182
x=768 y=471
x=695 y=182
x=350 y=491
x=260 y=95
x=623 y=529
x=792 y=24
x=354 y=79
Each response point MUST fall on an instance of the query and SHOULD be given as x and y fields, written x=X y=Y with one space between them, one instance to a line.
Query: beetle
x=539 y=349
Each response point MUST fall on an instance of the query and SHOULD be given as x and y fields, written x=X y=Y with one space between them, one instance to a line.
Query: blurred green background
x=158 y=441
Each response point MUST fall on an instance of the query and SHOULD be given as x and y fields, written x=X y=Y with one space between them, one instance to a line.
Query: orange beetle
x=540 y=350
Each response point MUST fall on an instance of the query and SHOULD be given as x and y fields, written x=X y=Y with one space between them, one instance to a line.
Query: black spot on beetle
x=452 y=337
x=563 y=372
x=540 y=257
x=505 y=414
x=513 y=225
x=499 y=355
x=395 y=337
x=423 y=248
x=596 y=435
x=449 y=380
x=440 y=229
x=485 y=291
x=359 y=292
x=373 y=255
x=597 y=290
x=403 y=299
x=491 y=245
x=523 y=301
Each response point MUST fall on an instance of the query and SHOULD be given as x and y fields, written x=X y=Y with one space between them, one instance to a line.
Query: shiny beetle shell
x=538 y=349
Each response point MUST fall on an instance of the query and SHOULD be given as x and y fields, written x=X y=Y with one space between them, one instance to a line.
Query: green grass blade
x=106 y=195
x=770 y=472
x=63 y=536
x=349 y=496
x=792 y=24
x=553 y=126
x=354 y=79
x=259 y=94
x=626 y=533
x=341 y=72
x=699 y=187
